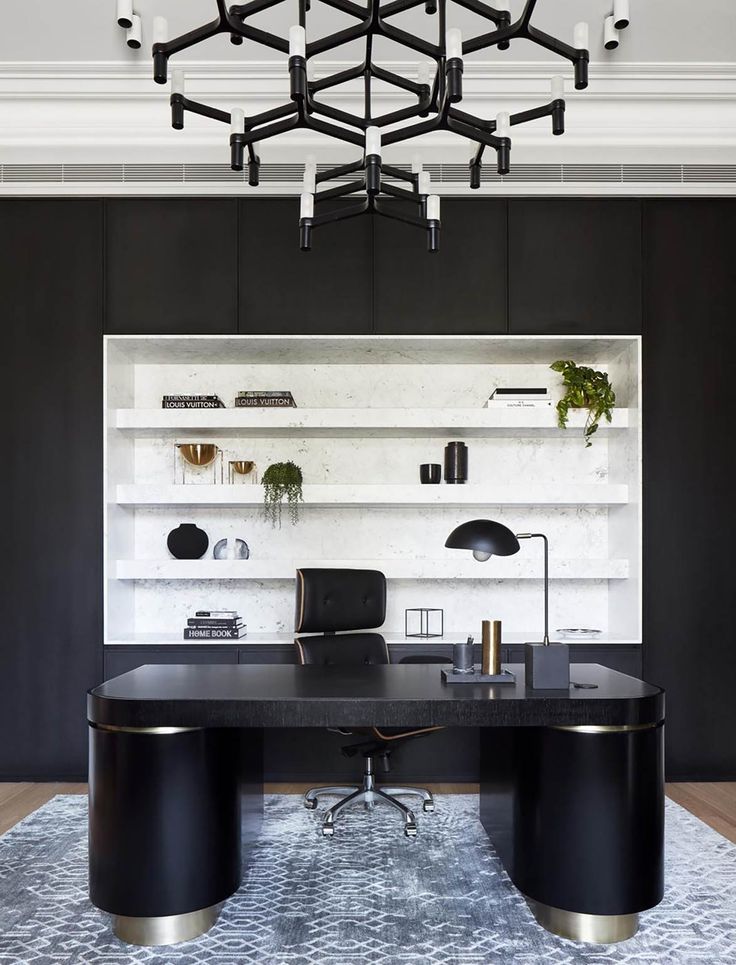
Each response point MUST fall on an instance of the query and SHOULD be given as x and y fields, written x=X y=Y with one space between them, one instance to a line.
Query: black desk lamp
x=547 y=664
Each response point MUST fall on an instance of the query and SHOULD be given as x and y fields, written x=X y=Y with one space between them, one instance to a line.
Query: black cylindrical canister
x=456 y=462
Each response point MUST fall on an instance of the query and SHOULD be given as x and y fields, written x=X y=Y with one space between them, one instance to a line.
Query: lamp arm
x=546 y=579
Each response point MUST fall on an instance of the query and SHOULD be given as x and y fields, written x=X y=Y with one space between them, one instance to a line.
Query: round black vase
x=187 y=542
x=456 y=462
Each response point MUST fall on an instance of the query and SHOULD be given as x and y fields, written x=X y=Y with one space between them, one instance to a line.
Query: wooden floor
x=713 y=803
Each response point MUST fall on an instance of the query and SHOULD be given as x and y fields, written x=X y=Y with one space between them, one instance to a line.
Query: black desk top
x=386 y=696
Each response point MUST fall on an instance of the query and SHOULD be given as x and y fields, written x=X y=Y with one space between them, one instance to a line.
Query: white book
x=519 y=404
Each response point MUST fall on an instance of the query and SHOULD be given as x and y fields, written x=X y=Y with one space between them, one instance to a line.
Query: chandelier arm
x=244 y=10
x=273 y=130
x=474 y=133
x=398 y=173
x=405 y=38
x=263 y=37
x=273 y=114
x=488 y=126
x=341 y=133
x=395 y=212
x=204 y=110
x=326 y=110
x=552 y=43
x=338 y=172
x=189 y=39
x=353 y=9
x=494 y=39
x=352 y=73
x=402 y=114
x=415 y=130
x=338 y=39
x=340 y=214
x=340 y=191
x=483 y=10
x=399 y=6
x=397 y=80
x=396 y=192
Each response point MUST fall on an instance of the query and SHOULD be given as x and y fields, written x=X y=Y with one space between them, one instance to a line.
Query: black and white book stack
x=215 y=625
x=192 y=402
x=265 y=400
x=523 y=398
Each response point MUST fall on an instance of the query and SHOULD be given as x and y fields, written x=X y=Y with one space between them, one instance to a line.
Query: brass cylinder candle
x=490 y=662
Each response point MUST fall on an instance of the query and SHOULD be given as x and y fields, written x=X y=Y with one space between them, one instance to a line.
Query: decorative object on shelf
x=198 y=455
x=456 y=463
x=547 y=664
x=187 y=542
x=464 y=670
x=430 y=473
x=265 y=400
x=282 y=480
x=436 y=90
x=240 y=468
x=231 y=549
x=490 y=656
x=510 y=398
x=462 y=657
x=585 y=388
x=579 y=633
x=192 y=402
x=426 y=630
x=203 y=626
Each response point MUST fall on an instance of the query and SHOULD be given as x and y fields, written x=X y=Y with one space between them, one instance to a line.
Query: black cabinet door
x=286 y=291
x=119 y=660
x=575 y=266
x=171 y=266
x=51 y=652
x=459 y=290
x=689 y=345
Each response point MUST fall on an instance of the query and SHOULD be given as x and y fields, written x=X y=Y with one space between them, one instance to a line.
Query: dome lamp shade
x=485 y=537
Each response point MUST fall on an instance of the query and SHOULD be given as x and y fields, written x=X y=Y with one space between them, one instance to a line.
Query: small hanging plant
x=588 y=389
x=282 y=480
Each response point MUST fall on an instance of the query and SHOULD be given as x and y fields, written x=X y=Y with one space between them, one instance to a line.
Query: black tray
x=505 y=677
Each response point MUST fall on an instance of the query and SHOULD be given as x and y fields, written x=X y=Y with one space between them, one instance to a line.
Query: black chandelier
x=436 y=92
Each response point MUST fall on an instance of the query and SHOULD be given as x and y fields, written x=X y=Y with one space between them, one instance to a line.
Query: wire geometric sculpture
x=436 y=92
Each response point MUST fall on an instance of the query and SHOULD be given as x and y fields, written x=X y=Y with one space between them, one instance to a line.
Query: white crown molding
x=98 y=112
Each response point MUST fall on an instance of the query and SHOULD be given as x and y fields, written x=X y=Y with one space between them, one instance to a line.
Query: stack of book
x=192 y=402
x=525 y=398
x=271 y=400
x=214 y=625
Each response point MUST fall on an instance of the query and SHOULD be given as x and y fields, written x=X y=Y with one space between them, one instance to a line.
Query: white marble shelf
x=569 y=494
x=392 y=637
x=501 y=568
x=349 y=422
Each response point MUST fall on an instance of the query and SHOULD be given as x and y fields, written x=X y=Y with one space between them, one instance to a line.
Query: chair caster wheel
x=328 y=831
x=410 y=831
x=310 y=805
x=428 y=807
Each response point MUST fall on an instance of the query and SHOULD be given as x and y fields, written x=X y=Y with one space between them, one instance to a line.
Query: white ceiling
x=661 y=31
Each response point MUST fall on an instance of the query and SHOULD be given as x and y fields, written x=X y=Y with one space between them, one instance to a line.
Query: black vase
x=456 y=462
x=187 y=542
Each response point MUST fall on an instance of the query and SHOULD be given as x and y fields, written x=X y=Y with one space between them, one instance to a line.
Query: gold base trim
x=166 y=930
x=596 y=929
x=161 y=731
x=604 y=728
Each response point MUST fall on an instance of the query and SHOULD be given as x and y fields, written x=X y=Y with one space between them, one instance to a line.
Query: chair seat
x=342 y=649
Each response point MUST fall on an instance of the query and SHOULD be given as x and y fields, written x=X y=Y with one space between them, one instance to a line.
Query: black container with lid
x=456 y=462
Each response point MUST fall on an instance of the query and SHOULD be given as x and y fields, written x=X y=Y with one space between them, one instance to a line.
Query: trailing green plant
x=282 y=480
x=586 y=388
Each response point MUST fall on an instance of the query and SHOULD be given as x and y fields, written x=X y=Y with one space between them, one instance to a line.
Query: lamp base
x=547 y=667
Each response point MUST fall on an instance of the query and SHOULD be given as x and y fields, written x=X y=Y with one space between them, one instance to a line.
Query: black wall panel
x=459 y=290
x=574 y=266
x=51 y=284
x=689 y=472
x=171 y=266
x=286 y=291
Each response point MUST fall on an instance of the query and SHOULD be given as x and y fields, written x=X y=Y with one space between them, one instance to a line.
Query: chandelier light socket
x=475 y=172
x=177 y=100
x=254 y=171
x=503 y=7
x=610 y=34
x=297 y=41
x=454 y=64
x=134 y=33
x=125 y=13
x=621 y=17
x=237 y=152
x=236 y=40
x=430 y=6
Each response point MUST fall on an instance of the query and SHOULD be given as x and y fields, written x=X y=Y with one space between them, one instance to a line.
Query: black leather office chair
x=329 y=600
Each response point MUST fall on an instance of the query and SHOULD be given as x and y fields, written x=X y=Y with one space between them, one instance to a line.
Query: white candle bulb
x=580 y=36
x=454 y=43
x=306 y=209
x=621 y=14
x=160 y=30
x=177 y=82
x=423 y=74
x=310 y=175
x=297 y=41
x=433 y=207
x=237 y=121
x=416 y=164
x=424 y=182
x=610 y=34
x=125 y=13
x=372 y=141
x=503 y=124
x=558 y=88
x=503 y=5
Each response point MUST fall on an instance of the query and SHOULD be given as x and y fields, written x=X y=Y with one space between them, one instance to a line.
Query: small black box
x=547 y=667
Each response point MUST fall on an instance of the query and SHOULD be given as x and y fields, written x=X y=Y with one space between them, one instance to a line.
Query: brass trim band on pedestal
x=604 y=728
x=159 y=731
x=166 y=930
x=578 y=927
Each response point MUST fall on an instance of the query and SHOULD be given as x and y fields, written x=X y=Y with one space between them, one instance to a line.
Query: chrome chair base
x=369 y=796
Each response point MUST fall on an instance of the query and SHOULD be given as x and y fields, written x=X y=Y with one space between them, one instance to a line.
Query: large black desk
x=572 y=784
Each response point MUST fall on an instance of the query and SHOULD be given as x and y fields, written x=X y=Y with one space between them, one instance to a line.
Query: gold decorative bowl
x=198 y=453
x=242 y=466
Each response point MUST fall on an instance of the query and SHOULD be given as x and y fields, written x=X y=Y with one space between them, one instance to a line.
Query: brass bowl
x=198 y=453
x=242 y=466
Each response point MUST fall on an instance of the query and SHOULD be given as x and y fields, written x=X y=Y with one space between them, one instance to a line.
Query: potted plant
x=586 y=388
x=282 y=480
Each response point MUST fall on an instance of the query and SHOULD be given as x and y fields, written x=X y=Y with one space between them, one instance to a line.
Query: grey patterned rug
x=370 y=896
